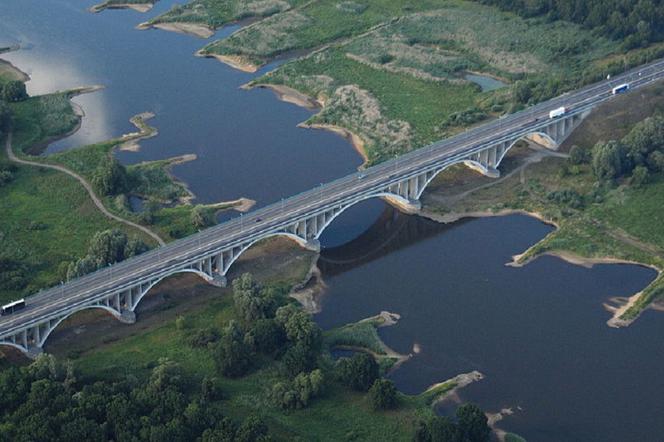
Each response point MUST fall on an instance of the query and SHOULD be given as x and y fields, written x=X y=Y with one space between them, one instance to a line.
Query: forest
x=636 y=23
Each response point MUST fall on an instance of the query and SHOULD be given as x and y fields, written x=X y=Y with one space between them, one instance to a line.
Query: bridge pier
x=408 y=206
x=219 y=281
x=127 y=317
x=313 y=245
x=34 y=352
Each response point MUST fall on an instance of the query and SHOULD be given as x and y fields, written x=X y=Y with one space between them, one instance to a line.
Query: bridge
x=118 y=289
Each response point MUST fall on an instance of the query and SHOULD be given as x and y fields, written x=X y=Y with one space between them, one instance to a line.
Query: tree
x=522 y=92
x=252 y=301
x=640 y=176
x=608 y=160
x=268 y=336
x=108 y=247
x=251 y=430
x=358 y=372
x=383 y=394
x=656 y=161
x=442 y=429
x=14 y=91
x=473 y=424
x=231 y=355
x=5 y=116
x=201 y=218
x=299 y=392
x=579 y=155
x=110 y=178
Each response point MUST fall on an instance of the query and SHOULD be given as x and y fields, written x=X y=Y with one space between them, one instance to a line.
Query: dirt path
x=86 y=185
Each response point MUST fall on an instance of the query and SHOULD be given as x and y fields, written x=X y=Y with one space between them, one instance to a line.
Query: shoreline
x=461 y=380
x=138 y=7
x=187 y=28
x=293 y=96
x=354 y=139
x=13 y=70
x=231 y=60
x=570 y=257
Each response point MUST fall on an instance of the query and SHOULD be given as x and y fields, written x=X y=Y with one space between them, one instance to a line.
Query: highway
x=163 y=260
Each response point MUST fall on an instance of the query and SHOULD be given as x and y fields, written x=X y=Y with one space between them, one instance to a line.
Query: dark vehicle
x=12 y=307
x=259 y=220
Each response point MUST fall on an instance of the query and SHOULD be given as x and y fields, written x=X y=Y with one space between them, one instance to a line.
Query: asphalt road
x=255 y=225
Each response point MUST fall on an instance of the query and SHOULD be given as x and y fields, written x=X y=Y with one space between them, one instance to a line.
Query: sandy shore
x=129 y=142
x=461 y=380
x=195 y=29
x=289 y=95
x=355 y=140
x=233 y=61
x=139 y=7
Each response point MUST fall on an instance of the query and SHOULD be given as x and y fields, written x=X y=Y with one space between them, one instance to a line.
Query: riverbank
x=137 y=5
x=194 y=29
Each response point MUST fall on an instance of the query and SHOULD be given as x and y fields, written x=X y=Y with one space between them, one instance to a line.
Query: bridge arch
x=144 y=292
x=18 y=347
x=386 y=195
x=499 y=159
x=47 y=333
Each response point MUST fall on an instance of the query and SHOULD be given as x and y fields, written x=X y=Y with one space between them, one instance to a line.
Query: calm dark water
x=537 y=333
x=247 y=142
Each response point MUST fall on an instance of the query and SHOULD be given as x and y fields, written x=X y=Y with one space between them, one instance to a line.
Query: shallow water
x=537 y=333
x=485 y=82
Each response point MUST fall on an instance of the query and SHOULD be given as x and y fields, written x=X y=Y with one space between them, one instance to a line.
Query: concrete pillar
x=208 y=261
x=127 y=317
x=130 y=299
x=117 y=301
x=24 y=338
x=312 y=245
x=36 y=335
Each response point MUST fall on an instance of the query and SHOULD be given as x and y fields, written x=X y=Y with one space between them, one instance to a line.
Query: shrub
x=358 y=372
x=383 y=395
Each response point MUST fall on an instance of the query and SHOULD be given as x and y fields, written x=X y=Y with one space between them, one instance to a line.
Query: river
x=538 y=333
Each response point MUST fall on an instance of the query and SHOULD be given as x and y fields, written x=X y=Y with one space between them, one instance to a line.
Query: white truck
x=620 y=89
x=557 y=112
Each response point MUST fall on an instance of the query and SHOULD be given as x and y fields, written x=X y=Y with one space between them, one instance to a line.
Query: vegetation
x=309 y=405
x=635 y=23
x=470 y=426
x=217 y=13
x=107 y=247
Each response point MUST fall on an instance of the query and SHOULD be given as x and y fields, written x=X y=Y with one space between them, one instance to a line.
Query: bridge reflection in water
x=391 y=232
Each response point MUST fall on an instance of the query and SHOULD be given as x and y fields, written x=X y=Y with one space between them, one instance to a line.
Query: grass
x=39 y=120
x=217 y=13
x=314 y=24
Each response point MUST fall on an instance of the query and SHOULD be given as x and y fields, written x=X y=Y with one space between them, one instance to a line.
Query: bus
x=620 y=88
x=10 y=308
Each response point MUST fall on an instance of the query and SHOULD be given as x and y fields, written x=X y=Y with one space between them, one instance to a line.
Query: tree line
x=635 y=23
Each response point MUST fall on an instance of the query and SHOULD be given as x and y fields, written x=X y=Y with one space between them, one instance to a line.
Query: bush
x=13 y=91
x=299 y=392
x=579 y=155
x=383 y=395
x=231 y=355
x=640 y=176
x=202 y=337
x=609 y=160
x=110 y=178
x=358 y=372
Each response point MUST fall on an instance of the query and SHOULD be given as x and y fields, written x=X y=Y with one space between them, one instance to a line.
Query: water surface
x=537 y=333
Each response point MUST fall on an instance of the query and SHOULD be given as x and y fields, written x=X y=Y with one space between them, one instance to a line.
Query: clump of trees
x=383 y=395
x=358 y=372
x=638 y=154
x=13 y=91
x=471 y=425
x=46 y=401
x=106 y=247
x=636 y=23
x=297 y=393
x=110 y=178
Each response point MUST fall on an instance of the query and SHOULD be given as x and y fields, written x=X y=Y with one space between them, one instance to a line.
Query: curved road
x=86 y=184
